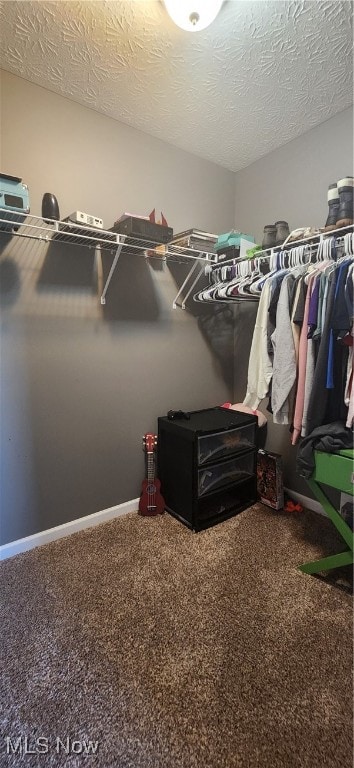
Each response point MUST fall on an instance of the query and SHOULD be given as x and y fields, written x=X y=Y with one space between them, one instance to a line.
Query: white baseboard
x=59 y=531
x=306 y=502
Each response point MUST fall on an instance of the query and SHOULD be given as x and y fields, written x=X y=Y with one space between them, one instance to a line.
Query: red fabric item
x=290 y=506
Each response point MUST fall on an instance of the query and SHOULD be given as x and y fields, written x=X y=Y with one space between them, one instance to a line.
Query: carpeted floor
x=178 y=650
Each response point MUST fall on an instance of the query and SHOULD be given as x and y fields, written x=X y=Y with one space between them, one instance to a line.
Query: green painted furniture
x=335 y=470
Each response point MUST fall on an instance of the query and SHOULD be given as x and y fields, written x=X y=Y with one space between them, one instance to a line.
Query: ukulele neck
x=150 y=467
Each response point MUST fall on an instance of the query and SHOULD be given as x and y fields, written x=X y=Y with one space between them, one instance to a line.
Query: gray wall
x=291 y=184
x=80 y=383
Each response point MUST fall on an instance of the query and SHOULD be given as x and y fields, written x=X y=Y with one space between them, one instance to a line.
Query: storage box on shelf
x=207 y=465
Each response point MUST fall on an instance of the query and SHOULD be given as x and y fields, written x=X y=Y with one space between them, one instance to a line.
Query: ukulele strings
x=151 y=494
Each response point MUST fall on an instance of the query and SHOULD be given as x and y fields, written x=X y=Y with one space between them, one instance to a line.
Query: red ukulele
x=151 y=502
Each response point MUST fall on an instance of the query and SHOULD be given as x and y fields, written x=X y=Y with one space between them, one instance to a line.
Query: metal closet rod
x=288 y=245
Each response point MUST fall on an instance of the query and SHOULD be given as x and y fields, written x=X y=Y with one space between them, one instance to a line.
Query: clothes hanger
x=228 y=274
x=230 y=290
x=253 y=272
x=202 y=295
x=219 y=276
x=259 y=278
x=348 y=244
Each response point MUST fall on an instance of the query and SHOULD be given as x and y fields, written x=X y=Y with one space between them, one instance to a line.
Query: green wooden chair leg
x=333 y=561
x=328 y=563
x=333 y=514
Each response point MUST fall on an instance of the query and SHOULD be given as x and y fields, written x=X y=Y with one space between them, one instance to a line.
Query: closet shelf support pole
x=190 y=273
x=109 y=278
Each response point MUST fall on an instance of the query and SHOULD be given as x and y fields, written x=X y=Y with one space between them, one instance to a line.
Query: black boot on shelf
x=346 y=202
x=333 y=206
x=269 y=236
x=282 y=232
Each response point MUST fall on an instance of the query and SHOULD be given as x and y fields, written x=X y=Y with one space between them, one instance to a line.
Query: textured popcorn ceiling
x=260 y=75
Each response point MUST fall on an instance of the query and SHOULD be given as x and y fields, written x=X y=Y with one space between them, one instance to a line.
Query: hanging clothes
x=300 y=394
x=349 y=386
x=311 y=350
x=295 y=327
x=349 y=341
x=340 y=324
x=302 y=346
x=326 y=405
x=284 y=358
x=307 y=354
x=260 y=367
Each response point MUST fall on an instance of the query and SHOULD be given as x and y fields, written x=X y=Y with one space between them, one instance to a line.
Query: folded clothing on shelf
x=195 y=238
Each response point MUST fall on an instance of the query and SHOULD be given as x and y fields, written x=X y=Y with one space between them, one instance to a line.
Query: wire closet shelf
x=312 y=241
x=290 y=253
x=241 y=279
x=200 y=261
x=50 y=230
x=69 y=233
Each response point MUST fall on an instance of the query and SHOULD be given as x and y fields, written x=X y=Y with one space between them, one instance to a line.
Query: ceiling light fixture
x=193 y=15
